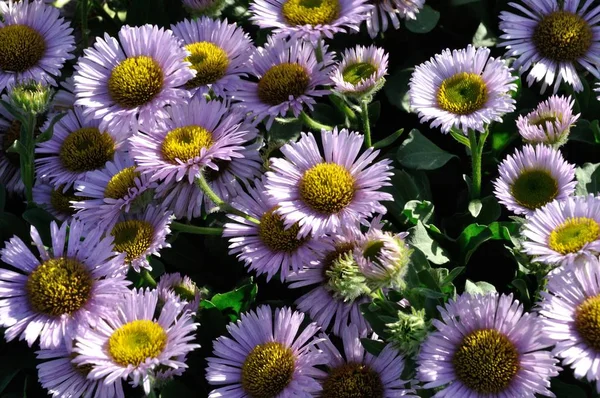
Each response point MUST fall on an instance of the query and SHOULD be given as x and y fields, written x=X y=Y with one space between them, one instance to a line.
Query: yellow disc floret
x=352 y=380
x=21 y=48
x=327 y=188
x=534 y=188
x=119 y=185
x=310 y=12
x=135 y=81
x=61 y=201
x=282 y=81
x=185 y=143
x=59 y=286
x=267 y=370
x=463 y=93
x=132 y=237
x=86 y=149
x=563 y=36
x=587 y=321
x=273 y=234
x=573 y=234
x=136 y=341
x=208 y=60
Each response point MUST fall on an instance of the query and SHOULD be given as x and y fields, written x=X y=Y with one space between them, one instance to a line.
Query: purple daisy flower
x=358 y=373
x=106 y=194
x=392 y=9
x=569 y=320
x=288 y=75
x=564 y=231
x=309 y=22
x=63 y=378
x=266 y=356
x=220 y=54
x=128 y=82
x=134 y=344
x=328 y=304
x=485 y=345
x=268 y=247
x=55 y=200
x=77 y=146
x=177 y=287
x=10 y=173
x=533 y=177
x=65 y=289
x=35 y=43
x=322 y=194
x=361 y=71
x=465 y=89
x=550 y=123
x=553 y=39
x=141 y=235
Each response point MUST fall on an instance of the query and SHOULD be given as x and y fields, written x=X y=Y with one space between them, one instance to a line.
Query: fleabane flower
x=485 y=345
x=10 y=172
x=177 y=287
x=323 y=193
x=55 y=200
x=35 y=43
x=288 y=78
x=533 y=177
x=66 y=288
x=550 y=123
x=266 y=356
x=128 y=82
x=356 y=373
x=116 y=189
x=569 y=319
x=564 y=231
x=552 y=40
x=134 y=344
x=392 y=9
x=361 y=71
x=309 y=21
x=78 y=146
x=269 y=247
x=465 y=89
x=219 y=53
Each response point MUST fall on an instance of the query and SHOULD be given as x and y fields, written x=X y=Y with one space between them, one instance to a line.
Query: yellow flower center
x=136 y=341
x=272 y=233
x=327 y=188
x=12 y=134
x=310 y=12
x=61 y=201
x=21 y=48
x=462 y=94
x=534 y=188
x=185 y=143
x=59 y=286
x=86 y=149
x=563 y=36
x=573 y=234
x=282 y=81
x=352 y=380
x=267 y=370
x=119 y=185
x=587 y=321
x=135 y=81
x=354 y=73
x=132 y=237
x=486 y=361
x=208 y=60
x=543 y=119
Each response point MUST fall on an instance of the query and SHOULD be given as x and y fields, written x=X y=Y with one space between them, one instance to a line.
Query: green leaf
x=373 y=347
x=475 y=207
x=238 y=300
x=521 y=286
x=396 y=88
x=374 y=111
x=417 y=152
x=588 y=179
x=41 y=220
x=479 y=287
x=406 y=187
x=326 y=114
x=176 y=389
x=426 y=21
x=476 y=234
x=369 y=312
x=47 y=134
x=282 y=133
x=7 y=376
x=453 y=275
x=418 y=237
x=483 y=37
x=564 y=390
x=2 y=198
x=389 y=140
x=418 y=210
x=585 y=131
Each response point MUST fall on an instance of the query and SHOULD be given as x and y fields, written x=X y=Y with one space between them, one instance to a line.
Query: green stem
x=148 y=278
x=476 y=154
x=319 y=51
x=192 y=229
x=221 y=204
x=313 y=124
x=364 y=115
x=342 y=106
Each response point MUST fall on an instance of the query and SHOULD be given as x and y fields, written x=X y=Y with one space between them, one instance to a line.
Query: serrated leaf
x=417 y=152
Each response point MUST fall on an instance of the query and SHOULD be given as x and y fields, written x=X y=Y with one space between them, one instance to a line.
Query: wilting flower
x=392 y=9
x=465 y=89
x=35 y=43
x=322 y=194
x=564 y=231
x=550 y=123
x=128 y=82
x=266 y=356
x=486 y=346
x=65 y=289
x=553 y=39
x=532 y=178
x=361 y=71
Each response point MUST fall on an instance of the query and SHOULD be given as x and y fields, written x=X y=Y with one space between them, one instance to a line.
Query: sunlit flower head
x=533 y=177
x=552 y=40
x=550 y=123
x=69 y=286
x=361 y=71
x=128 y=82
x=176 y=287
x=465 y=89
x=394 y=10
